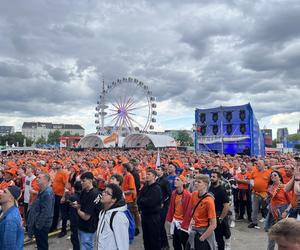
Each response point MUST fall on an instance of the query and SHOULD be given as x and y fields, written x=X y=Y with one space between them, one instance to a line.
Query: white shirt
x=27 y=187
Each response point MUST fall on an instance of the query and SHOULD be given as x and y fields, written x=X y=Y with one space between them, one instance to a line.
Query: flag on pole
x=158 y=159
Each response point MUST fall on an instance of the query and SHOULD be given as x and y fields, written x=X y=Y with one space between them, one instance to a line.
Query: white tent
x=98 y=141
x=141 y=140
x=91 y=141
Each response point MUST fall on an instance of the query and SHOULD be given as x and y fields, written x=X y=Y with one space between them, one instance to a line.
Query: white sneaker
x=262 y=220
x=232 y=224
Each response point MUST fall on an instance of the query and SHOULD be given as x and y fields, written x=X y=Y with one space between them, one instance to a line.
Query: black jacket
x=41 y=212
x=165 y=189
x=137 y=181
x=150 y=199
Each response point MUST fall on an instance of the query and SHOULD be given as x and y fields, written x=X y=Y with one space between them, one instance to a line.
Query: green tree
x=184 y=138
x=41 y=140
x=297 y=147
x=294 y=137
x=29 y=142
x=53 y=137
x=274 y=142
x=67 y=133
x=14 y=138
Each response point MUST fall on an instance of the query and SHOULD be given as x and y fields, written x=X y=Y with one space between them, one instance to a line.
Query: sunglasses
x=106 y=193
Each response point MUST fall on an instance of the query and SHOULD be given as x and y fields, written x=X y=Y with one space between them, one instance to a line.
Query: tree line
x=18 y=139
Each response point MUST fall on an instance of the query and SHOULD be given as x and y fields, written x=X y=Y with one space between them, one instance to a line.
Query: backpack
x=131 y=227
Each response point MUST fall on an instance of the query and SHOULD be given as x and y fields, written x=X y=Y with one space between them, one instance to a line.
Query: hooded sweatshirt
x=118 y=239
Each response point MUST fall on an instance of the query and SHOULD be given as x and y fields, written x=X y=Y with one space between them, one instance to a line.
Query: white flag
x=158 y=159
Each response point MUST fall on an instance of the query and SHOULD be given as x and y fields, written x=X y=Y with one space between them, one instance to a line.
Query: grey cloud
x=58 y=74
x=197 y=53
x=14 y=70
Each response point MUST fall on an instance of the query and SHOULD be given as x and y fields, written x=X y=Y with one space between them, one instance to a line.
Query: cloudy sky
x=191 y=53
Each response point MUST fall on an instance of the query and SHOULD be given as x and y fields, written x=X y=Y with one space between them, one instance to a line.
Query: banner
x=111 y=138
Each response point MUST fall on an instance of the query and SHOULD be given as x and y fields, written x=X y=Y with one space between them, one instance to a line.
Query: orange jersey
x=205 y=210
x=178 y=214
x=293 y=198
x=59 y=182
x=261 y=180
x=285 y=178
x=129 y=184
x=35 y=187
x=242 y=177
x=280 y=198
x=118 y=169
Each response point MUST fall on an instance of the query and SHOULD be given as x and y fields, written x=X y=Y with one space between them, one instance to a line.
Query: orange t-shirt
x=59 y=182
x=205 y=210
x=285 y=178
x=118 y=169
x=261 y=180
x=36 y=188
x=178 y=214
x=129 y=184
x=280 y=198
x=242 y=177
x=293 y=198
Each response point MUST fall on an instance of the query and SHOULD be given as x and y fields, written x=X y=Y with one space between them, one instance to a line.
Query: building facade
x=36 y=130
x=282 y=136
x=268 y=137
x=5 y=130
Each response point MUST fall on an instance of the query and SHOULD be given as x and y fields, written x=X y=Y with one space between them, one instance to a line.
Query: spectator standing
x=200 y=217
x=166 y=193
x=41 y=213
x=27 y=188
x=222 y=208
x=73 y=197
x=129 y=190
x=112 y=232
x=60 y=183
x=149 y=202
x=179 y=204
x=244 y=193
x=172 y=176
x=11 y=230
x=88 y=210
x=259 y=179
x=279 y=202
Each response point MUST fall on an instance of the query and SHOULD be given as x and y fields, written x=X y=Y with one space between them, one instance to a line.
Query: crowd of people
x=110 y=196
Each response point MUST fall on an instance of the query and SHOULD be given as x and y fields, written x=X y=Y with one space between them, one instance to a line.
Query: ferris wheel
x=125 y=106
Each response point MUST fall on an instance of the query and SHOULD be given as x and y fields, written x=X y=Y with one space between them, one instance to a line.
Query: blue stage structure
x=229 y=130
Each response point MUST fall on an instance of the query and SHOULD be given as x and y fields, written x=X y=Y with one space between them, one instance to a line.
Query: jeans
x=244 y=200
x=257 y=202
x=41 y=237
x=56 y=213
x=74 y=238
x=86 y=240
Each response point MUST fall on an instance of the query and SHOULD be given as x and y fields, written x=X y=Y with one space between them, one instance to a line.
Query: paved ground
x=242 y=238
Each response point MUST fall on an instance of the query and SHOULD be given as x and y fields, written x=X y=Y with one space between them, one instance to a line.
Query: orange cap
x=182 y=178
x=12 y=171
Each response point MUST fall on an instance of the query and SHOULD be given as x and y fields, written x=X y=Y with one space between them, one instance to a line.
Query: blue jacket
x=41 y=212
x=11 y=230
